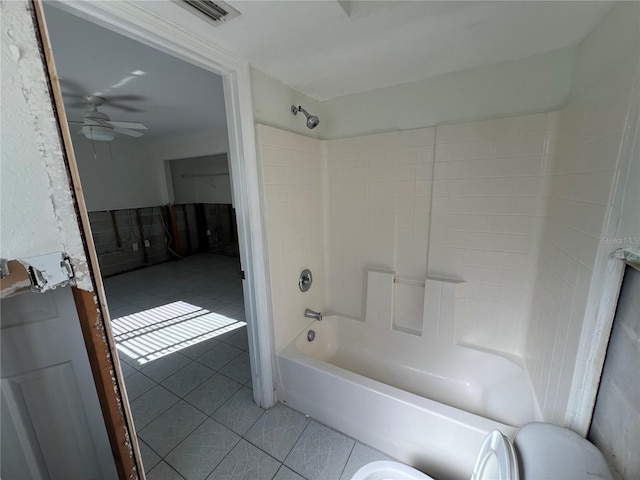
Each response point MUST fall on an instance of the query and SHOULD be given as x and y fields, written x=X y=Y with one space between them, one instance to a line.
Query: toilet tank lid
x=548 y=451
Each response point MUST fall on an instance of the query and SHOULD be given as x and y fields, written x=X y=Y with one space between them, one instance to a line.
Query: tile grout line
x=162 y=458
x=308 y=418
x=185 y=438
x=228 y=453
x=217 y=408
x=349 y=457
x=229 y=295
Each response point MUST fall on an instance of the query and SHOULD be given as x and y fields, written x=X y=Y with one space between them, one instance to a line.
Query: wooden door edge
x=91 y=306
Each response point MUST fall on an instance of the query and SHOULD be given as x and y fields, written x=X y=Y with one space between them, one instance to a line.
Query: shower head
x=312 y=120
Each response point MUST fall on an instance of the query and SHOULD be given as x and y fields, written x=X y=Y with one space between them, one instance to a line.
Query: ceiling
x=324 y=49
x=175 y=97
x=318 y=49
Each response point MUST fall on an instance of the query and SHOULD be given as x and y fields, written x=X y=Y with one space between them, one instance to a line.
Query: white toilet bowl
x=539 y=451
x=388 y=471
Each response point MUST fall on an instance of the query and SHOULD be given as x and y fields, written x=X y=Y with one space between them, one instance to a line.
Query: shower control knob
x=305 y=280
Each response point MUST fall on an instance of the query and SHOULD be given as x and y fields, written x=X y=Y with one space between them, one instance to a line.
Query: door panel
x=52 y=423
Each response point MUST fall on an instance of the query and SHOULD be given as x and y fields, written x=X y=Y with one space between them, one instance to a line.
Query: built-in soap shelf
x=424 y=308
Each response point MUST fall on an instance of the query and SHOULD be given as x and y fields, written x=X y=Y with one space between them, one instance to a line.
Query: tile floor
x=182 y=342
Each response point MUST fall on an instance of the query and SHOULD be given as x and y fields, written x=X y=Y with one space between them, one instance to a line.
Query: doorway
x=187 y=346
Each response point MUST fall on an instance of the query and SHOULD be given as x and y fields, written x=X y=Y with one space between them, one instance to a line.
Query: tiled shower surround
x=580 y=227
x=494 y=203
x=372 y=207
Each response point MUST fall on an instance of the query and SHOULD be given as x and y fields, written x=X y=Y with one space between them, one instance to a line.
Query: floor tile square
x=246 y=462
x=238 y=369
x=148 y=406
x=185 y=380
x=202 y=451
x=162 y=471
x=287 y=474
x=219 y=356
x=213 y=304
x=230 y=311
x=320 y=454
x=149 y=458
x=173 y=426
x=212 y=393
x=240 y=412
x=200 y=348
x=146 y=300
x=127 y=370
x=137 y=384
x=360 y=456
x=124 y=358
x=163 y=367
x=224 y=337
x=239 y=339
x=277 y=431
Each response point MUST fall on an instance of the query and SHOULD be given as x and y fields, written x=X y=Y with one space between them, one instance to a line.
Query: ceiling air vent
x=215 y=13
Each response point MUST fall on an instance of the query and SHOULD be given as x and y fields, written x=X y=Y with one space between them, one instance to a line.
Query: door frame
x=131 y=19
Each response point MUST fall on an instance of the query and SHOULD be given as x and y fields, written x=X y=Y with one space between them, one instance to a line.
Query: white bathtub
x=427 y=405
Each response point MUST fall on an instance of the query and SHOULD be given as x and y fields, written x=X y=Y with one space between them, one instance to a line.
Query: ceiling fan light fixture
x=98 y=133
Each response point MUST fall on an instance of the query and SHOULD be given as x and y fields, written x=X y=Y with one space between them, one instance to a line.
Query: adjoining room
x=158 y=192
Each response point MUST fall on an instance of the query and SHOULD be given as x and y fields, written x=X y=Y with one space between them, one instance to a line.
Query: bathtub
x=427 y=405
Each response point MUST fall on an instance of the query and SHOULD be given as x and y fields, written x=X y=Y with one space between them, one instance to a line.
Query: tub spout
x=311 y=314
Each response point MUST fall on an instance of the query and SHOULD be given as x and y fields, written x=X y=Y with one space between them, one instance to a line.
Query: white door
x=52 y=425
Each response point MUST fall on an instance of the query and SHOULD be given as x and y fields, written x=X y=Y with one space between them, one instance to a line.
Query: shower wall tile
x=379 y=299
x=294 y=182
x=378 y=203
x=439 y=310
x=481 y=225
x=578 y=181
x=485 y=220
x=408 y=308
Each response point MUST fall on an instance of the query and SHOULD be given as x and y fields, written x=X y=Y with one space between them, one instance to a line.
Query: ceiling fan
x=98 y=126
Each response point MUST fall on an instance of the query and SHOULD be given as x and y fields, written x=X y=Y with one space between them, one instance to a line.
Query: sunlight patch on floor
x=151 y=334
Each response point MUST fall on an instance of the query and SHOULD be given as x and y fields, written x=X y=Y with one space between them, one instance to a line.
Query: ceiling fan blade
x=126 y=131
x=122 y=102
x=124 y=98
x=73 y=101
x=126 y=125
x=73 y=87
x=73 y=96
x=121 y=106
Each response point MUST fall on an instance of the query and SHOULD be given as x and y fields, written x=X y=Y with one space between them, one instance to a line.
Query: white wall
x=191 y=183
x=130 y=172
x=628 y=230
x=539 y=83
x=125 y=174
x=37 y=214
x=197 y=144
x=292 y=168
x=272 y=102
x=580 y=185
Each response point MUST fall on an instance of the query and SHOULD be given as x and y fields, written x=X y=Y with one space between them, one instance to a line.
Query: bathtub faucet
x=311 y=314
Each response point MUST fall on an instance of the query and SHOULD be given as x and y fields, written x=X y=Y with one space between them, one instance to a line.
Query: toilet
x=540 y=451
